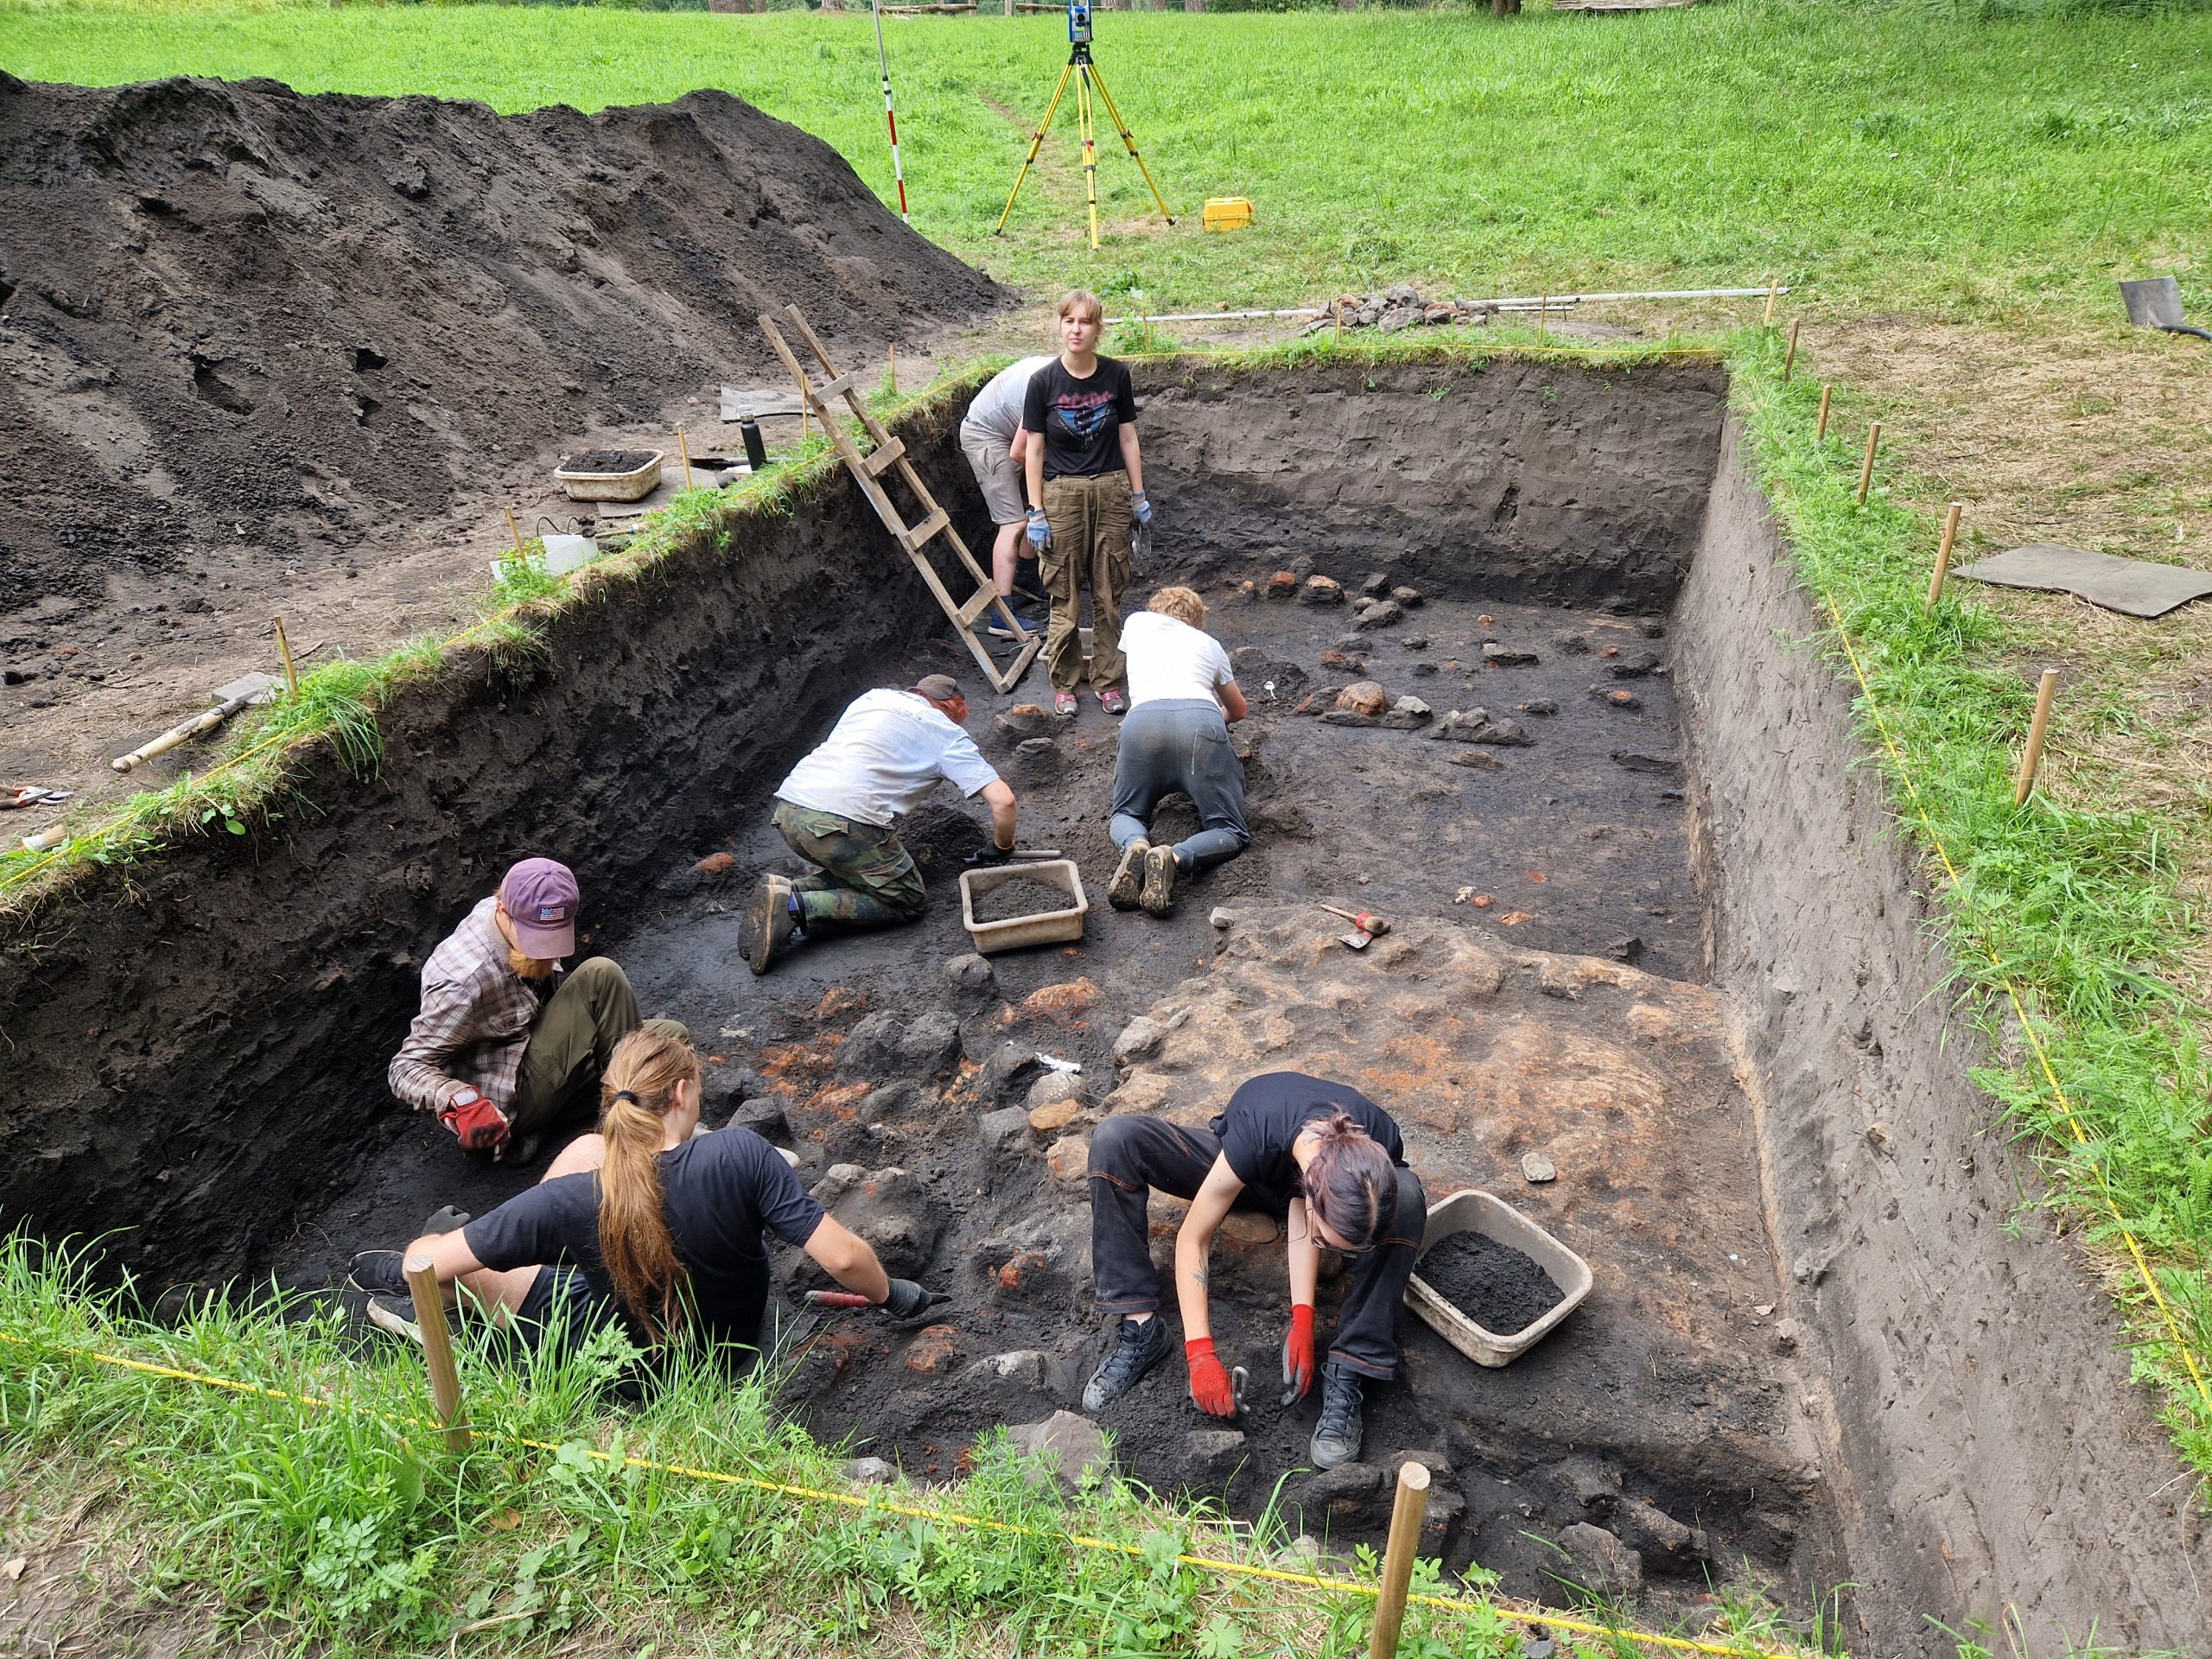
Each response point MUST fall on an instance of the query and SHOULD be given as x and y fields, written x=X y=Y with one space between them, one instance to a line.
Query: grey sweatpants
x=1181 y=743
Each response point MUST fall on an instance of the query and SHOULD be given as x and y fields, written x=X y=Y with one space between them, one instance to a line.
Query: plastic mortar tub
x=1470 y=1210
x=1045 y=927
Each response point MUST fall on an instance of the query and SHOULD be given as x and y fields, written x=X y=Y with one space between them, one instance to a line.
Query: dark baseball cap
x=939 y=687
x=541 y=897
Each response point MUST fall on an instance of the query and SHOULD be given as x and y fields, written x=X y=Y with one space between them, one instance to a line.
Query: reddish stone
x=1364 y=697
x=1060 y=1002
x=838 y=1001
x=1019 y=1267
x=1281 y=585
x=932 y=1350
x=717 y=864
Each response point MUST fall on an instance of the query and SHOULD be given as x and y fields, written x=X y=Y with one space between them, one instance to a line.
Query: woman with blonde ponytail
x=652 y=1225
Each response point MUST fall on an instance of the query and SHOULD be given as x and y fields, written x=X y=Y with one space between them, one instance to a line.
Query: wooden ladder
x=868 y=471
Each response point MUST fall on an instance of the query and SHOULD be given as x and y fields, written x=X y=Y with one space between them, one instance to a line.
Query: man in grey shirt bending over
x=990 y=436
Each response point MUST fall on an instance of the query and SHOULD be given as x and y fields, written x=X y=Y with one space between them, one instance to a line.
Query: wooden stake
x=1773 y=287
x=1789 y=357
x=683 y=448
x=1866 y=468
x=514 y=530
x=1339 y=309
x=437 y=1349
x=1543 y=305
x=1821 y=432
x=1943 y=553
x=284 y=650
x=2038 y=727
x=894 y=371
x=1406 y=1515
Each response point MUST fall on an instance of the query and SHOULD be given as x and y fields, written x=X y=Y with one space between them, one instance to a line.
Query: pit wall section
x=196 y=1041
x=1989 y=1456
x=1514 y=479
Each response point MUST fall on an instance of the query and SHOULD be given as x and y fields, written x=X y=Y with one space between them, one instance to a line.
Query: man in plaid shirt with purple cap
x=506 y=1044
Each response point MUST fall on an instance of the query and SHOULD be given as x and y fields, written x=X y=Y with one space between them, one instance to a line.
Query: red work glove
x=479 y=1125
x=1209 y=1386
x=1297 y=1353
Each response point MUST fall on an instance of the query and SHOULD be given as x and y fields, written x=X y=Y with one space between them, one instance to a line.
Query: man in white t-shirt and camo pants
x=888 y=750
x=1175 y=738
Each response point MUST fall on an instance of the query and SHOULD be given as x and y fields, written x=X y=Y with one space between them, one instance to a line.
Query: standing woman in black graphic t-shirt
x=663 y=1235
x=1318 y=1155
x=1086 y=484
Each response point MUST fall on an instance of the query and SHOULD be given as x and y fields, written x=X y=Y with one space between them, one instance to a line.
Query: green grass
x=345 y=1526
x=1882 y=155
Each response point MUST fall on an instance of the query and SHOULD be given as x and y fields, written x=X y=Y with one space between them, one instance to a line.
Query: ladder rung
x=881 y=460
x=929 y=527
x=829 y=389
x=976 y=608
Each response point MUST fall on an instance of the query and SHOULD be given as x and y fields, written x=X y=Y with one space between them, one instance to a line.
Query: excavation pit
x=1615 y=941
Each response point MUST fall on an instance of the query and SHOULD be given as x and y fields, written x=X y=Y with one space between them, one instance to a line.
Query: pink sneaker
x=1114 y=702
x=1064 y=704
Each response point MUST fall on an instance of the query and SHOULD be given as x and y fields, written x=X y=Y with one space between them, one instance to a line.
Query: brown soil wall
x=1513 y=480
x=197 y=1043
x=1984 y=1445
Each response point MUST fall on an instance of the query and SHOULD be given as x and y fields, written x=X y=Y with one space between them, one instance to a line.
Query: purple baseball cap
x=541 y=897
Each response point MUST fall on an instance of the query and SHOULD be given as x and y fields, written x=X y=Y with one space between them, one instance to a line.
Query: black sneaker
x=1336 y=1437
x=768 y=924
x=1128 y=875
x=1139 y=1346
x=378 y=1273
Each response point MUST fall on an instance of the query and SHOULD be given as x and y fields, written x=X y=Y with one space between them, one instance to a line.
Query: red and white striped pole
x=890 y=117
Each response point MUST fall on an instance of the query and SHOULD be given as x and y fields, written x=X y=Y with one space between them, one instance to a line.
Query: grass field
x=1886 y=157
x=1951 y=195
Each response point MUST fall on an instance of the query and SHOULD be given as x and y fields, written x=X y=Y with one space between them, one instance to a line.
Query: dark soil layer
x=235 y=315
x=1009 y=900
x=1493 y=1284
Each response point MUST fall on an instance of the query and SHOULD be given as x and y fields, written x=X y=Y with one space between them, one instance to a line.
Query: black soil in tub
x=1500 y=1288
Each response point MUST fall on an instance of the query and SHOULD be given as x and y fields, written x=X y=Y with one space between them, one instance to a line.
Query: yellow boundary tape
x=2019 y=1010
x=948 y=1517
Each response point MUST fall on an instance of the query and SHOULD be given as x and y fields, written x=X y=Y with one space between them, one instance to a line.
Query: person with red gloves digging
x=506 y=1044
x=1319 y=1156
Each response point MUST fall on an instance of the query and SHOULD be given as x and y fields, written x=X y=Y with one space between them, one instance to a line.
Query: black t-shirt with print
x=1267 y=1114
x=1081 y=419
x=721 y=1192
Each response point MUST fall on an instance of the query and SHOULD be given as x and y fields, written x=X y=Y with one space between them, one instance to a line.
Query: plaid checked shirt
x=474 y=1021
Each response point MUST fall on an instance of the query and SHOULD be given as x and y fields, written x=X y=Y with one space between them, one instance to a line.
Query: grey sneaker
x=768 y=924
x=1128 y=875
x=1336 y=1437
x=1158 y=894
x=1138 y=1347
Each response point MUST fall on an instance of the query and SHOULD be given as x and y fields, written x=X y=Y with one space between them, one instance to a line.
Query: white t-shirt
x=997 y=408
x=887 y=751
x=1168 y=659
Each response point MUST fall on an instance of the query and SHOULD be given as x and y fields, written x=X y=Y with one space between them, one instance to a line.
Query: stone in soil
x=1381 y=614
x=1320 y=590
x=1023 y=896
x=1493 y=1284
x=1364 y=697
x=1499 y=656
x=1633 y=667
x=1065 y=1443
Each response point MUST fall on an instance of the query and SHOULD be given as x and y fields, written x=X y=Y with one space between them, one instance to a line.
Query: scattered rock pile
x=1401 y=307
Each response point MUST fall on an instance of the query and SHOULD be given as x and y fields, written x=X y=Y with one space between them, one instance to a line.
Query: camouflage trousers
x=864 y=878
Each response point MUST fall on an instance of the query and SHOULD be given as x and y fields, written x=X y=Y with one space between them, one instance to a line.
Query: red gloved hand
x=1297 y=1353
x=479 y=1125
x=1209 y=1386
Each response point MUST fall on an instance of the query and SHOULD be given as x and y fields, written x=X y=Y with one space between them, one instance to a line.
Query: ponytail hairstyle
x=1351 y=1186
x=637 y=1093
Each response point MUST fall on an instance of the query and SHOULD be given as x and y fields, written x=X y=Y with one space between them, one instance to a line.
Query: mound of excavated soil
x=236 y=314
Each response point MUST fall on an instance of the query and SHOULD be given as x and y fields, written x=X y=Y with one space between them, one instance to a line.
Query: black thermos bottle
x=756 y=453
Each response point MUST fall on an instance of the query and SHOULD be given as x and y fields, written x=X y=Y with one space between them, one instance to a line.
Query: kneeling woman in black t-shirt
x=1320 y=1156
x=666 y=1234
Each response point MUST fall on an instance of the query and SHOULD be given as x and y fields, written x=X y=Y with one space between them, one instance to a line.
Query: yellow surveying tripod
x=1087 y=81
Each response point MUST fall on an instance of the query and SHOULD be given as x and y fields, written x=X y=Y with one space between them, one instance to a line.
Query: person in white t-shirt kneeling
x=888 y=750
x=1175 y=738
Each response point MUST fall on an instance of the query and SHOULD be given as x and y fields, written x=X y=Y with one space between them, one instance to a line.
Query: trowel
x=243 y=692
x=2155 y=303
